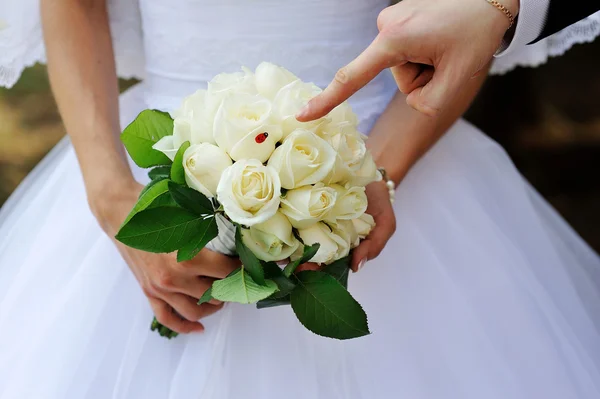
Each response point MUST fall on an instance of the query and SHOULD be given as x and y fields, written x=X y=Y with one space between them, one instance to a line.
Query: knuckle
x=163 y=316
x=164 y=280
x=342 y=76
x=149 y=291
x=382 y=18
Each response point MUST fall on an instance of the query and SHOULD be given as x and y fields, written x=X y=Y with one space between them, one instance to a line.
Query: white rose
x=194 y=120
x=243 y=127
x=203 y=165
x=349 y=147
x=289 y=100
x=363 y=225
x=271 y=240
x=343 y=114
x=239 y=82
x=351 y=202
x=346 y=229
x=333 y=246
x=367 y=173
x=249 y=192
x=307 y=205
x=226 y=83
x=271 y=78
x=303 y=158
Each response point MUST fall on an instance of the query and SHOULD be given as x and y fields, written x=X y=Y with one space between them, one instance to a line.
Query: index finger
x=348 y=81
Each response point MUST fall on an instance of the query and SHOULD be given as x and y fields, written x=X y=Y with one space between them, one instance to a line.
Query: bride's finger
x=165 y=316
x=188 y=307
x=209 y=264
x=307 y=266
x=195 y=287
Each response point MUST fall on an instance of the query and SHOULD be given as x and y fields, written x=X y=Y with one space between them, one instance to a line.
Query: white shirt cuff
x=530 y=23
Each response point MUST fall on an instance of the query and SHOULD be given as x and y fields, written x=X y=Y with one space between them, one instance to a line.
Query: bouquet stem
x=162 y=330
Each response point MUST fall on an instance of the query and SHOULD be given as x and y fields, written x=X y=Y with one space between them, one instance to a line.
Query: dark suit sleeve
x=562 y=13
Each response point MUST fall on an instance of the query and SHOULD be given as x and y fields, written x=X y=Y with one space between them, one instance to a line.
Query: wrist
x=513 y=6
x=111 y=201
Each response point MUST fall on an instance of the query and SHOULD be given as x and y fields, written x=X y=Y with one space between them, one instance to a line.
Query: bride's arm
x=402 y=135
x=398 y=139
x=82 y=73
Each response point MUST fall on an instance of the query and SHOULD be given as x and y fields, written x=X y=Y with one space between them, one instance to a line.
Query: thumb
x=446 y=82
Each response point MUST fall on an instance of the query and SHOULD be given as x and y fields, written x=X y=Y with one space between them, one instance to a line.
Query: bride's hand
x=172 y=288
x=381 y=209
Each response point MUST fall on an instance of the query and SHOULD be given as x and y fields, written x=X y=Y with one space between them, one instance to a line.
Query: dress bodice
x=187 y=42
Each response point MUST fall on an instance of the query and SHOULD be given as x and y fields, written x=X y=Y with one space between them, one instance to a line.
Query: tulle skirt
x=483 y=292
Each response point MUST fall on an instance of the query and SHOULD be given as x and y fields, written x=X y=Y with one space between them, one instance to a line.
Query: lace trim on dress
x=584 y=31
x=22 y=44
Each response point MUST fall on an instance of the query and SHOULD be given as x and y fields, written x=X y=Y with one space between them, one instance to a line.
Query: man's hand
x=432 y=47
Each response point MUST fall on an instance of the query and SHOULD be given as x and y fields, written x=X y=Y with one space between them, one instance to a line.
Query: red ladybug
x=260 y=138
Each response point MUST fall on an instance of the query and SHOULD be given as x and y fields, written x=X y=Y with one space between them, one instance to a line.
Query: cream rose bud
x=307 y=205
x=203 y=165
x=343 y=114
x=289 y=100
x=249 y=192
x=346 y=230
x=303 y=158
x=244 y=129
x=239 y=82
x=226 y=83
x=194 y=119
x=351 y=202
x=270 y=78
x=363 y=225
x=367 y=173
x=349 y=147
x=271 y=240
x=333 y=246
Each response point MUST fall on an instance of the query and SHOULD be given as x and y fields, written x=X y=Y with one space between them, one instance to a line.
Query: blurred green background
x=547 y=118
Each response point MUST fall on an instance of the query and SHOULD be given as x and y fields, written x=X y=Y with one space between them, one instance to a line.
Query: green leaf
x=249 y=260
x=272 y=302
x=274 y=272
x=153 y=192
x=148 y=186
x=240 y=287
x=340 y=269
x=191 y=199
x=177 y=171
x=207 y=296
x=207 y=231
x=165 y=199
x=159 y=173
x=309 y=252
x=141 y=134
x=164 y=229
x=326 y=308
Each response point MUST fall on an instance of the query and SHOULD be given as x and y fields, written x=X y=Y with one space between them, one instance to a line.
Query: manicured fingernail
x=303 y=112
x=362 y=262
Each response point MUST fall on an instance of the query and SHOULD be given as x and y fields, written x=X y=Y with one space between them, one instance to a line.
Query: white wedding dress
x=484 y=291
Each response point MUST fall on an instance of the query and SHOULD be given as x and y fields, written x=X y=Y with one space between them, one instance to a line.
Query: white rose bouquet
x=235 y=171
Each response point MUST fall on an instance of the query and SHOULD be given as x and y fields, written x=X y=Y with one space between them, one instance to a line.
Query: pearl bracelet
x=391 y=186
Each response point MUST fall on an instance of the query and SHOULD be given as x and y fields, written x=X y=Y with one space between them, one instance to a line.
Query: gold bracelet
x=504 y=10
x=391 y=186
